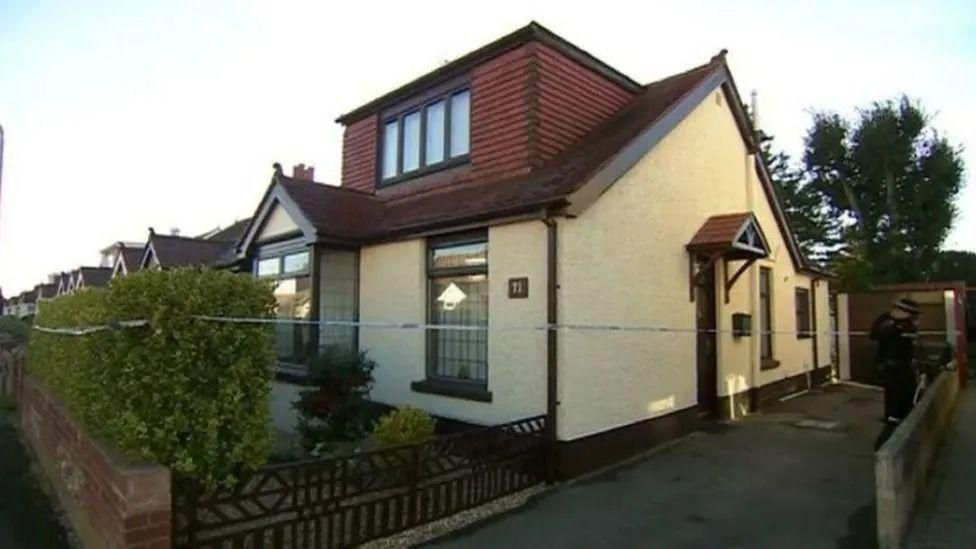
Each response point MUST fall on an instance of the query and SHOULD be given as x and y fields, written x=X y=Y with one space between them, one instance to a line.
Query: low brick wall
x=902 y=464
x=111 y=502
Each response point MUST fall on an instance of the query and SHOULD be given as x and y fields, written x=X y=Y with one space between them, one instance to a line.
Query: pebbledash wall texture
x=111 y=502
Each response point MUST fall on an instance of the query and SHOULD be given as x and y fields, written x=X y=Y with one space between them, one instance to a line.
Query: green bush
x=190 y=394
x=337 y=408
x=13 y=332
x=403 y=426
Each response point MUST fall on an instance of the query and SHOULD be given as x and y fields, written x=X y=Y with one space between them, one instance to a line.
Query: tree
x=804 y=208
x=954 y=266
x=888 y=183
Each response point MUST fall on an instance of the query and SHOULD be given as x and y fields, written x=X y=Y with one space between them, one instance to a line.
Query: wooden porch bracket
x=695 y=277
x=729 y=282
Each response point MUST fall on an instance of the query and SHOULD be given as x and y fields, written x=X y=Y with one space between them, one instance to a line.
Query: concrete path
x=27 y=519
x=760 y=482
x=947 y=515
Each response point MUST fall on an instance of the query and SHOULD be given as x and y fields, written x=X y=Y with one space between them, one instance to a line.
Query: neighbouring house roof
x=566 y=184
x=96 y=276
x=533 y=32
x=130 y=258
x=46 y=291
x=28 y=297
x=180 y=251
x=230 y=233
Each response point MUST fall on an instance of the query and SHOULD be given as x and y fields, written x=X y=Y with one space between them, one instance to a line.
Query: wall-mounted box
x=741 y=325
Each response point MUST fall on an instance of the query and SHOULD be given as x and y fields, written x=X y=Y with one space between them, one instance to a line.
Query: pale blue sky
x=124 y=115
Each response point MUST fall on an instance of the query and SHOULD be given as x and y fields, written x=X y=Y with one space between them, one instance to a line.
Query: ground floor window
x=766 y=313
x=289 y=272
x=457 y=269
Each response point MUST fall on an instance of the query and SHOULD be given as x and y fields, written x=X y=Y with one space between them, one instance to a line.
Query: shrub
x=337 y=408
x=13 y=331
x=187 y=393
x=404 y=426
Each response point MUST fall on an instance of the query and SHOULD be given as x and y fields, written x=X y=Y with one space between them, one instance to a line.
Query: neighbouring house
x=46 y=291
x=91 y=277
x=63 y=281
x=215 y=249
x=26 y=304
x=122 y=257
x=528 y=184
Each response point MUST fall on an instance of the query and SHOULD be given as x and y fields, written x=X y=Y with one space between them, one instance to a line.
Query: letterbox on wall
x=741 y=325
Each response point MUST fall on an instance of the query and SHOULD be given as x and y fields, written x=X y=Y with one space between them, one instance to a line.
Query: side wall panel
x=623 y=261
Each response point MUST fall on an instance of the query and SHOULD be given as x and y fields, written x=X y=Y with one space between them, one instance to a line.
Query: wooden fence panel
x=344 y=501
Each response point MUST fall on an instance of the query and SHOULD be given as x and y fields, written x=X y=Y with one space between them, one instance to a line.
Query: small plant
x=337 y=409
x=404 y=426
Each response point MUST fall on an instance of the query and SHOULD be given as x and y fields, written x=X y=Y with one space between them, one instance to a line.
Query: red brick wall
x=501 y=122
x=572 y=101
x=359 y=154
x=111 y=503
x=526 y=105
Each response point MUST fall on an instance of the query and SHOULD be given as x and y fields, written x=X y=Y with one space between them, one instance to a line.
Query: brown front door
x=707 y=358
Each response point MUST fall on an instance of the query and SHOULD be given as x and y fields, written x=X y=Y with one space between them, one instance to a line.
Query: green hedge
x=190 y=394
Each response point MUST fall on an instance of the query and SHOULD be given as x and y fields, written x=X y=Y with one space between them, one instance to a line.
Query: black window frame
x=804 y=324
x=433 y=273
x=766 y=343
x=420 y=108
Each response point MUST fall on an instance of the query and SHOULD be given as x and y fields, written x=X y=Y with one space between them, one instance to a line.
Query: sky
x=120 y=116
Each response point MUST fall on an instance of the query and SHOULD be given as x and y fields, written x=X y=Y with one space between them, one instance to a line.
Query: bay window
x=427 y=137
x=293 y=296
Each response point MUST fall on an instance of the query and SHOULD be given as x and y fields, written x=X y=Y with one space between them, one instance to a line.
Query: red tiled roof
x=357 y=216
x=718 y=231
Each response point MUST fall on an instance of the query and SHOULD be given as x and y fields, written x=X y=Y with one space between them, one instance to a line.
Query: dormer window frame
x=420 y=105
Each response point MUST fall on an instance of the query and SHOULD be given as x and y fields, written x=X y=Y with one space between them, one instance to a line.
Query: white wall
x=393 y=288
x=623 y=261
x=278 y=223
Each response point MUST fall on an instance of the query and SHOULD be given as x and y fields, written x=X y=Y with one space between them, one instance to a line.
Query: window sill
x=768 y=364
x=425 y=170
x=804 y=336
x=454 y=390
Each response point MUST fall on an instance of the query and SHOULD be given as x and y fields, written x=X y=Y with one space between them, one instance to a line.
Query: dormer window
x=428 y=137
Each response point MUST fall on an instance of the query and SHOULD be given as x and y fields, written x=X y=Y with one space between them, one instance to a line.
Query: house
x=214 y=249
x=63 y=281
x=91 y=277
x=122 y=257
x=26 y=304
x=528 y=184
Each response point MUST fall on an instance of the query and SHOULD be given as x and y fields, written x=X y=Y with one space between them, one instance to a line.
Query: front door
x=707 y=349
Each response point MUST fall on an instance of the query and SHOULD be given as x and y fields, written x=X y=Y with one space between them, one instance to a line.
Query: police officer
x=896 y=332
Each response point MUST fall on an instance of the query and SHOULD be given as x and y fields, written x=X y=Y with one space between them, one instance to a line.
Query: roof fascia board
x=276 y=195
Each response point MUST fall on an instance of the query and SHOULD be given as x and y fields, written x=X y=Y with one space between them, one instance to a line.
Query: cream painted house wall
x=278 y=223
x=623 y=261
x=393 y=288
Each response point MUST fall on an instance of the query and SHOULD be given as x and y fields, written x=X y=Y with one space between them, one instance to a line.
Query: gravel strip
x=438 y=528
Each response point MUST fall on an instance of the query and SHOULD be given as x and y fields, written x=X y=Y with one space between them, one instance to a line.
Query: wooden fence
x=345 y=501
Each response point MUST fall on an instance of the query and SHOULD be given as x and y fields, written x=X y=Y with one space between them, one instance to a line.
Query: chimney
x=175 y=231
x=299 y=171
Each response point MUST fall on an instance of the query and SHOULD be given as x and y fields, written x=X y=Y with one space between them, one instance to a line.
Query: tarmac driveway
x=759 y=482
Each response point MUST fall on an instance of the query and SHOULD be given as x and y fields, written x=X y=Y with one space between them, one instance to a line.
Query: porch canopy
x=729 y=237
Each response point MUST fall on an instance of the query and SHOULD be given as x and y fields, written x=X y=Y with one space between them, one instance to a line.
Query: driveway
x=759 y=482
x=27 y=518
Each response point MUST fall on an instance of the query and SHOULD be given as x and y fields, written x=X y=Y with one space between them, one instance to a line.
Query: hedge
x=187 y=393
